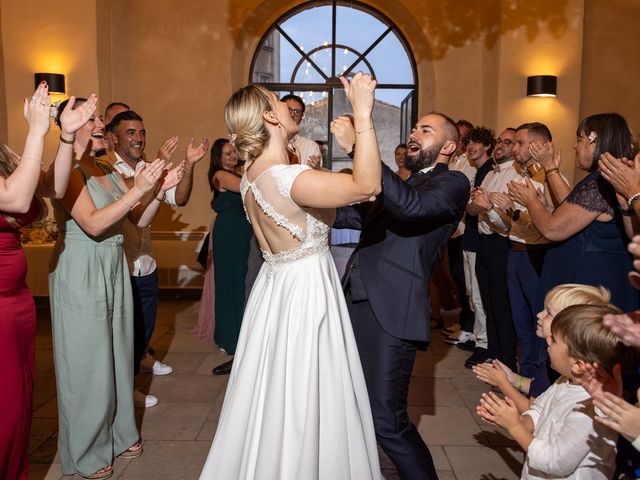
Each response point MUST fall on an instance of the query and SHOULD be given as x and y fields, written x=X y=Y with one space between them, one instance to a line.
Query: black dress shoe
x=468 y=346
x=479 y=355
x=223 y=369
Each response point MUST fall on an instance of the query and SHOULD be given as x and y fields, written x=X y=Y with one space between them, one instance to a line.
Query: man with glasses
x=493 y=248
x=307 y=149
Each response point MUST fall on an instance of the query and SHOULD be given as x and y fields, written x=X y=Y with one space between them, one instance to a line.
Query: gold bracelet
x=365 y=130
x=68 y=142
x=551 y=170
x=126 y=203
x=520 y=385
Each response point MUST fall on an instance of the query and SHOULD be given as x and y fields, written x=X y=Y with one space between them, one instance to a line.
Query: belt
x=527 y=247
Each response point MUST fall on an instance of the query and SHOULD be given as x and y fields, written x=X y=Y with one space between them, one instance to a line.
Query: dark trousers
x=491 y=270
x=456 y=267
x=254 y=264
x=523 y=280
x=387 y=363
x=145 y=307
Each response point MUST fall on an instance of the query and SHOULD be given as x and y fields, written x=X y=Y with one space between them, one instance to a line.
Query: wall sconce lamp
x=542 y=86
x=54 y=80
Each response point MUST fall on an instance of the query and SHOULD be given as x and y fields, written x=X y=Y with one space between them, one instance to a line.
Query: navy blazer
x=403 y=235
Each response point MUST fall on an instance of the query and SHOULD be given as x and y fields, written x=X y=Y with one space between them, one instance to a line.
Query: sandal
x=104 y=472
x=134 y=451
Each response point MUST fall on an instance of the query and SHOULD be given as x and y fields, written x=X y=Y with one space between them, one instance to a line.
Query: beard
x=423 y=159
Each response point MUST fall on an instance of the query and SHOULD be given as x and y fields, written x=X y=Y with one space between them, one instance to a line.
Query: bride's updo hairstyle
x=244 y=118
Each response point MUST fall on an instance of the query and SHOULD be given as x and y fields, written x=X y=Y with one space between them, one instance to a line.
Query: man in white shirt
x=528 y=248
x=463 y=334
x=493 y=249
x=111 y=111
x=129 y=138
x=308 y=149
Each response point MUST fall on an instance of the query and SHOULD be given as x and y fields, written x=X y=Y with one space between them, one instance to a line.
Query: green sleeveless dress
x=92 y=323
x=231 y=238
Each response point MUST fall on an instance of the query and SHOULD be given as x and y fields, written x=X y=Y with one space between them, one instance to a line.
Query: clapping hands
x=172 y=177
x=37 y=110
x=524 y=192
x=498 y=411
x=147 y=175
x=195 y=153
x=72 y=120
x=545 y=154
x=622 y=173
x=494 y=373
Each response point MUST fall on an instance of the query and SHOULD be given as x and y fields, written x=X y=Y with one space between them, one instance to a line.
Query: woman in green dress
x=231 y=237
x=92 y=307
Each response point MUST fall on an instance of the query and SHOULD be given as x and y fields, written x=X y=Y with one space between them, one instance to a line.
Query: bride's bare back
x=279 y=224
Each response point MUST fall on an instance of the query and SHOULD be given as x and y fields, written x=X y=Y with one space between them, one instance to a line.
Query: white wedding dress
x=296 y=405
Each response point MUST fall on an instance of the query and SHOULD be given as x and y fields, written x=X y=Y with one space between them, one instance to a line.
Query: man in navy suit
x=387 y=280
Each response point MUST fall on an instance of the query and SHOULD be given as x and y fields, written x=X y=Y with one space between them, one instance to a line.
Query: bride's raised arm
x=322 y=189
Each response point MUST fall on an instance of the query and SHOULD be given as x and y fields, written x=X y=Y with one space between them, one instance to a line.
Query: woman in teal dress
x=92 y=307
x=231 y=237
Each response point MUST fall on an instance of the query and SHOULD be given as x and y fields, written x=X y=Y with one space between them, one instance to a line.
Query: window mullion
x=305 y=56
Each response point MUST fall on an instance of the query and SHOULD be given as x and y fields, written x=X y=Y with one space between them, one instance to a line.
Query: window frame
x=408 y=107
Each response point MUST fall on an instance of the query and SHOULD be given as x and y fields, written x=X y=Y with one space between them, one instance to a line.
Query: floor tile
x=474 y=463
x=178 y=431
x=174 y=421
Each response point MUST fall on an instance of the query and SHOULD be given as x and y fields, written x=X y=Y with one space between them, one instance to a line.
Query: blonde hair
x=243 y=115
x=568 y=294
x=587 y=339
x=9 y=161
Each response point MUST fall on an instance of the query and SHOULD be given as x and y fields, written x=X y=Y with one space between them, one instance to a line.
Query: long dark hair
x=613 y=135
x=216 y=160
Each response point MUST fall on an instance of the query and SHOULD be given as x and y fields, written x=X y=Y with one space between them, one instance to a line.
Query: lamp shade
x=54 y=80
x=542 y=86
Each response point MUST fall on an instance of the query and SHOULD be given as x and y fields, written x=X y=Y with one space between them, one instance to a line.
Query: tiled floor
x=178 y=431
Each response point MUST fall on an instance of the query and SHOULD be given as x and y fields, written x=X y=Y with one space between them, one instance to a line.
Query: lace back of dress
x=300 y=230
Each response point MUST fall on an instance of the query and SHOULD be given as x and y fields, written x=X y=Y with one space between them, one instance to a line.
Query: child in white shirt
x=558 y=432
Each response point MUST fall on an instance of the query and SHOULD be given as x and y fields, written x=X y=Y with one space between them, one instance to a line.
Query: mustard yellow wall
x=611 y=62
x=176 y=63
x=40 y=37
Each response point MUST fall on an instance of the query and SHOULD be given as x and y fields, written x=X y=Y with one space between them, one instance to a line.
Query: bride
x=296 y=405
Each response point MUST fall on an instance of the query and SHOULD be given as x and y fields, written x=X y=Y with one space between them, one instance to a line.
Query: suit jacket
x=403 y=235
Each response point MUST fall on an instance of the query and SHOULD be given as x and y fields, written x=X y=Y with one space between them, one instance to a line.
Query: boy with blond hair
x=558 y=432
x=517 y=386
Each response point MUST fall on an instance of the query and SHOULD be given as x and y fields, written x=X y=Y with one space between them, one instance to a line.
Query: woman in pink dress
x=22 y=186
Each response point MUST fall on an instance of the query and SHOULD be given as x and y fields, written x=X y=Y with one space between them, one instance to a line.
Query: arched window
x=309 y=47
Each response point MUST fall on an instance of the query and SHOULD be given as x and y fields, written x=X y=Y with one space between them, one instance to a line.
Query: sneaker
x=150 y=364
x=461 y=337
x=140 y=400
x=479 y=355
x=468 y=345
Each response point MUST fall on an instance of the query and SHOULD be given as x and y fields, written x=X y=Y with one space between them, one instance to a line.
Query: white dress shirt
x=306 y=147
x=461 y=164
x=567 y=442
x=521 y=230
x=137 y=241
